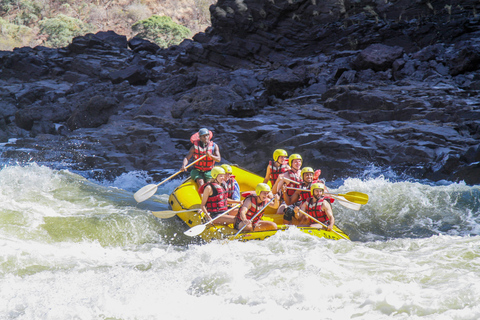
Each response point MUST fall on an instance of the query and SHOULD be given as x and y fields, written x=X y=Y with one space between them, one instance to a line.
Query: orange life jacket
x=207 y=163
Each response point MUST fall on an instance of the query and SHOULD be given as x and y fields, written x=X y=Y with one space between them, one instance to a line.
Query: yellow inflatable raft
x=186 y=196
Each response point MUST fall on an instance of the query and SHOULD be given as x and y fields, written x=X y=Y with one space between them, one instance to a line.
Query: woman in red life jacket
x=293 y=173
x=276 y=167
x=202 y=146
x=318 y=206
x=298 y=197
x=231 y=185
x=252 y=205
x=214 y=198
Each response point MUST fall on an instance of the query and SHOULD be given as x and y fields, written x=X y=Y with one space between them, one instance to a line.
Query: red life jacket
x=254 y=208
x=276 y=171
x=292 y=175
x=305 y=195
x=207 y=163
x=230 y=186
x=314 y=208
x=217 y=202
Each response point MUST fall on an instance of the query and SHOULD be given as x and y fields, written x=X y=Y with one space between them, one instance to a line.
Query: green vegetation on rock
x=62 y=29
x=162 y=30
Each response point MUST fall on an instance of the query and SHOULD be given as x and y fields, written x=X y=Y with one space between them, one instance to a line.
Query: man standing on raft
x=202 y=145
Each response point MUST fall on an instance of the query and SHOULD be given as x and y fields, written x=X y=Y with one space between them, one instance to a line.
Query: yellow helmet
x=279 y=153
x=305 y=170
x=262 y=187
x=227 y=168
x=316 y=185
x=294 y=156
x=216 y=171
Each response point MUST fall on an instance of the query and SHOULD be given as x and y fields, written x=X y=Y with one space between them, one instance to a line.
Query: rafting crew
x=318 y=206
x=202 y=146
x=247 y=217
x=276 y=167
x=215 y=198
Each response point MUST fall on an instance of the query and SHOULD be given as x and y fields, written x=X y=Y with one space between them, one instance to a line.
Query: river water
x=73 y=248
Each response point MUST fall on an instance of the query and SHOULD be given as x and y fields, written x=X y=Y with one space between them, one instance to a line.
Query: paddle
x=344 y=202
x=150 y=189
x=353 y=196
x=236 y=234
x=292 y=181
x=195 y=231
x=347 y=204
x=169 y=213
x=303 y=212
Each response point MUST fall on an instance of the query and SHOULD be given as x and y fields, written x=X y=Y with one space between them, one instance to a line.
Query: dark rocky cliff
x=347 y=84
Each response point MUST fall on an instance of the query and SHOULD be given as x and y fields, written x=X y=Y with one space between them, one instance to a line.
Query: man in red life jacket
x=252 y=205
x=204 y=146
x=298 y=197
x=318 y=206
x=276 y=167
x=214 y=198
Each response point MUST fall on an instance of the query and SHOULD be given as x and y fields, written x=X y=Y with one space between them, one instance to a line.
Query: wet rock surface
x=349 y=85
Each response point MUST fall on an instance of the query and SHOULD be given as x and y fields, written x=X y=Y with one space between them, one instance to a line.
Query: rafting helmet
x=279 y=153
x=306 y=170
x=262 y=187
x=316 y=185
x=203 y=131
x=294 y=156
x=216 y=171
x=227 y=168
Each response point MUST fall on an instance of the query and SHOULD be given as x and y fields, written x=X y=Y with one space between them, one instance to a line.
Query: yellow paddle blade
x=357 y=197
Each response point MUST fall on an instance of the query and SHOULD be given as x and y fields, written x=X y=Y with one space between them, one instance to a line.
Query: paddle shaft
x=292 y=181
x=236 y=234
x=235 y=206
x=301 y=211
x=191 y=164
x=169 y=213
x=353 y=196
x=350 y=204
x=201 y=227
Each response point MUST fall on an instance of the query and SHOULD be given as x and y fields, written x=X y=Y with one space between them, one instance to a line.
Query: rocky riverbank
x=347 y=84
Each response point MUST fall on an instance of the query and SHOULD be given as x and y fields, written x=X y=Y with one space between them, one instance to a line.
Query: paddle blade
x=347 y=204
x=357 y=197
x=195 y=231
x=164 y=214
x=145 y=192
x=170 y=213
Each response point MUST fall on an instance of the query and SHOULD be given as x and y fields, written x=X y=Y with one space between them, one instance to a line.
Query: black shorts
x=288 y=213
x=216 y=214
x=237 y=222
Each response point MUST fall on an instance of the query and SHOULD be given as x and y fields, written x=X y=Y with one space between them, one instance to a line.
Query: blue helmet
x=203 y=132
